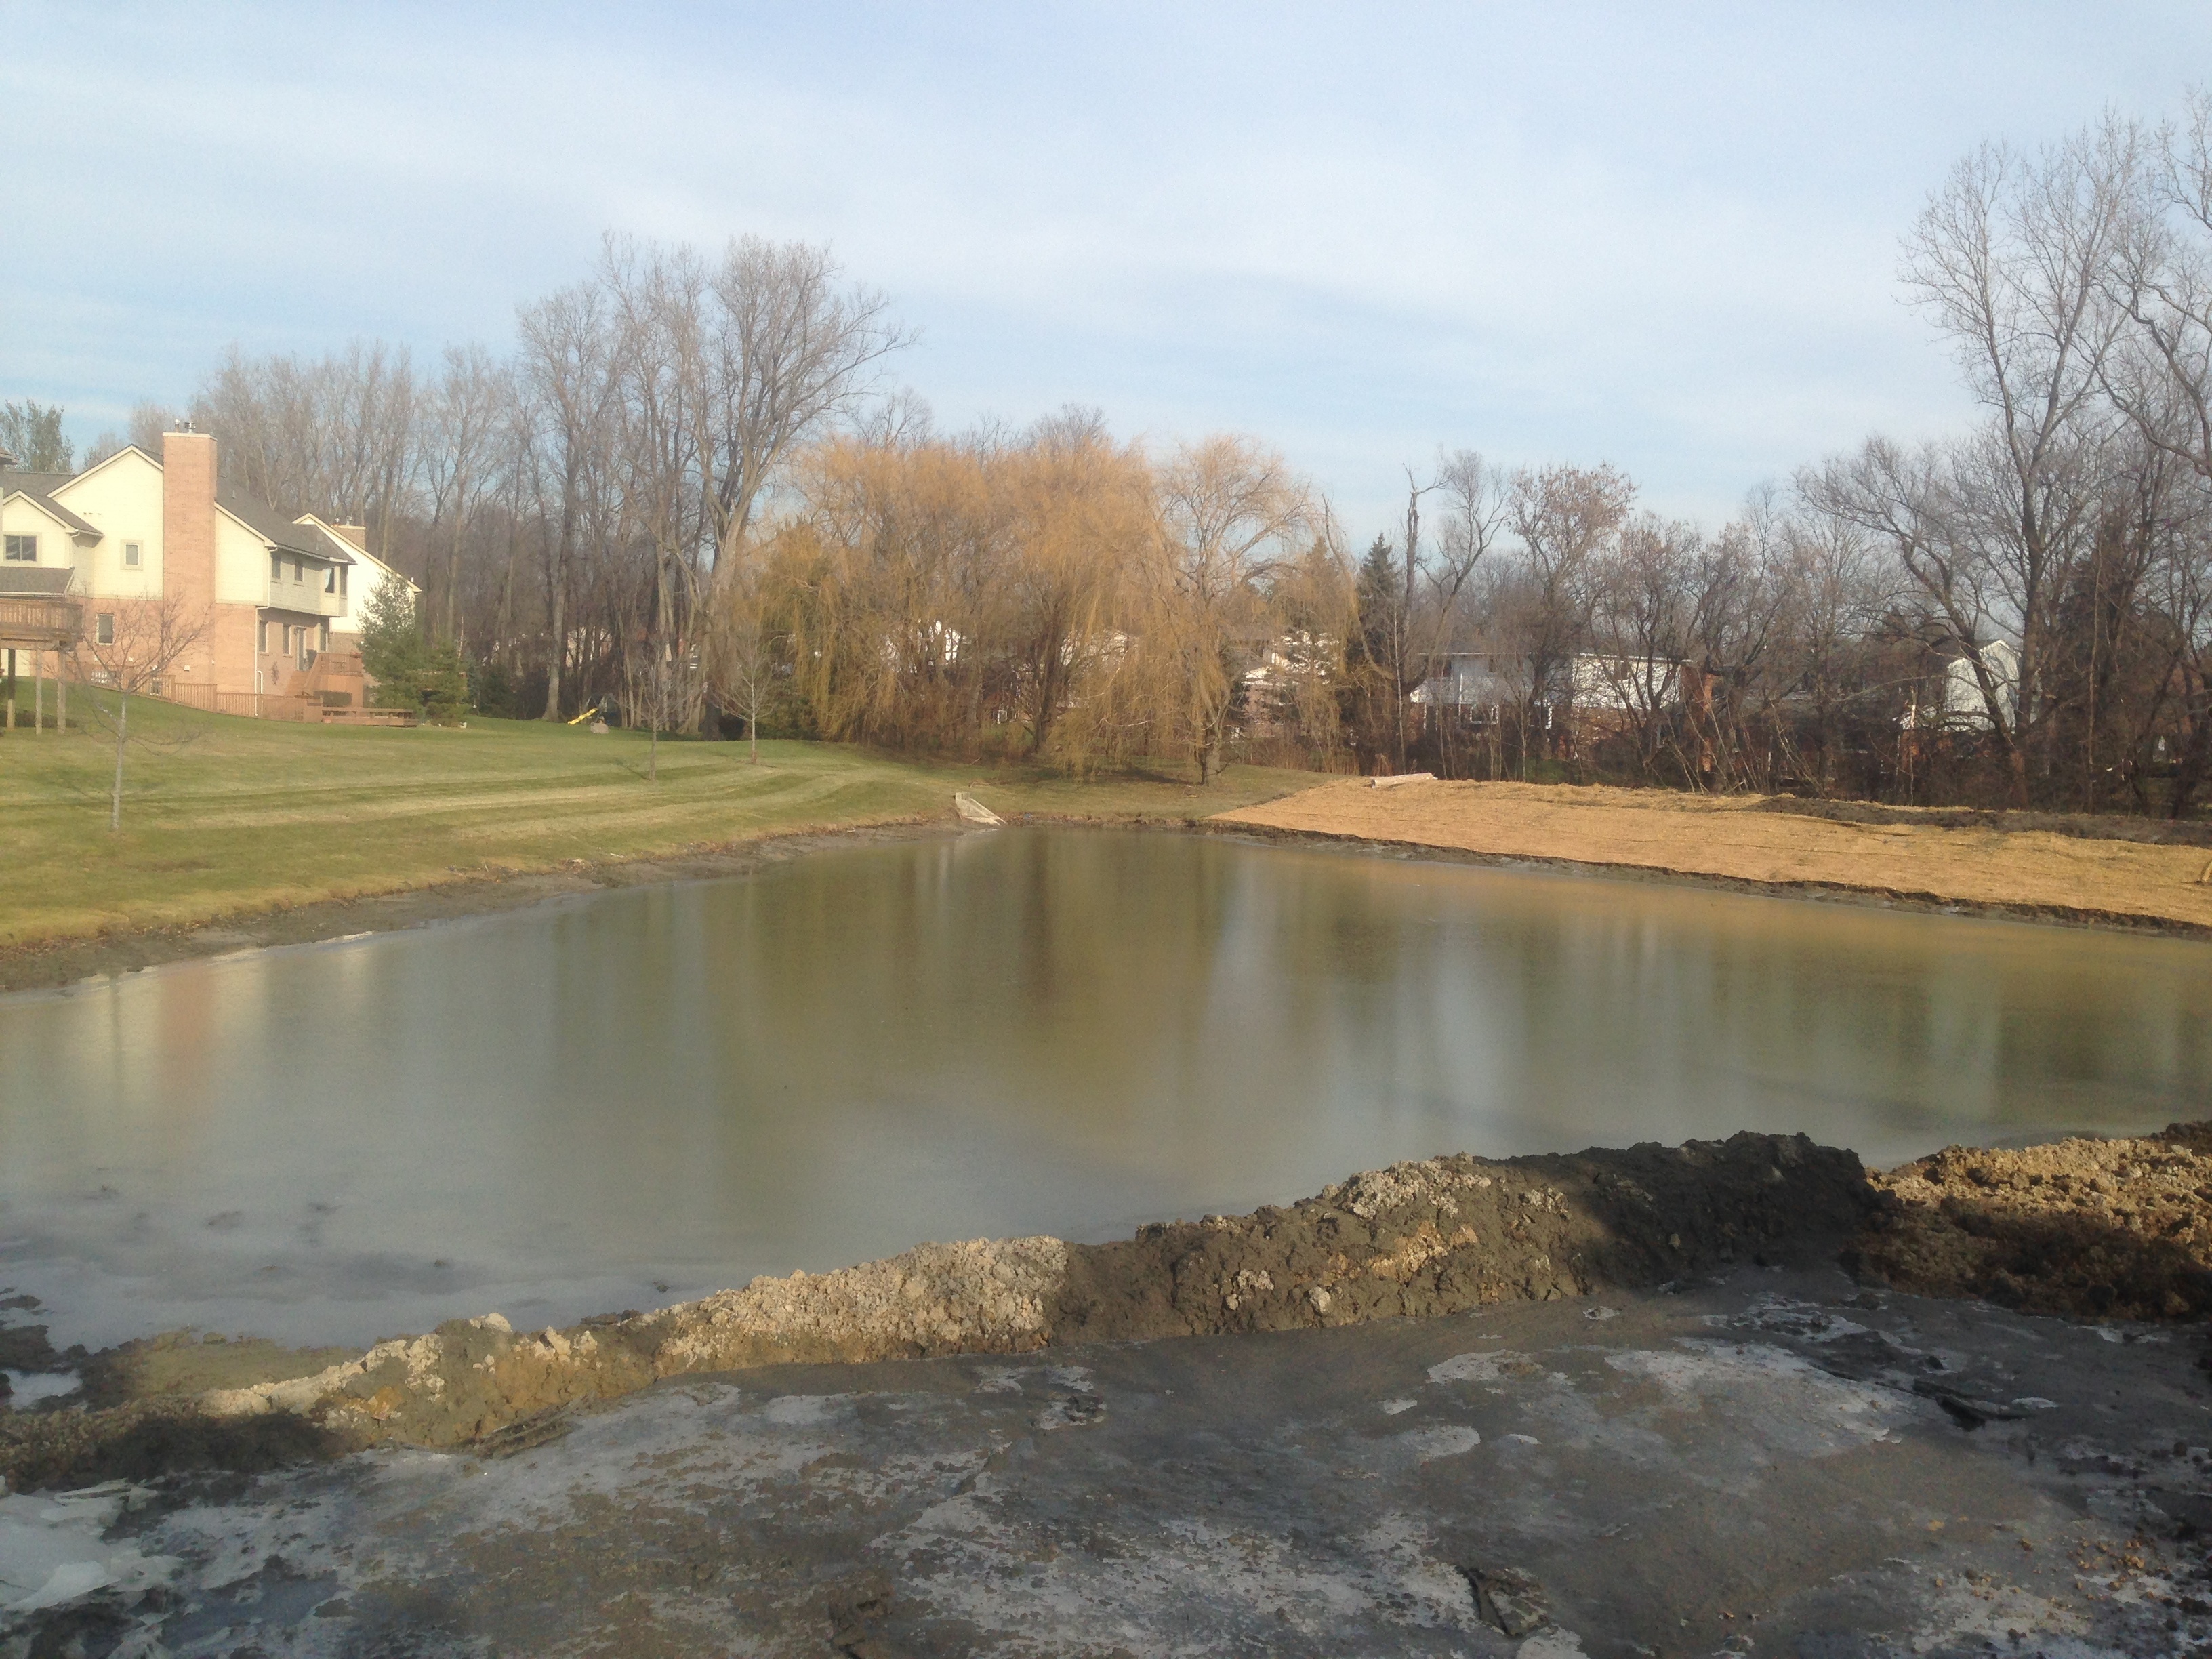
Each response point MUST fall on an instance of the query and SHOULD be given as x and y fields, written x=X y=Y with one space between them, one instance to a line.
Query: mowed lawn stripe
x=226 y=817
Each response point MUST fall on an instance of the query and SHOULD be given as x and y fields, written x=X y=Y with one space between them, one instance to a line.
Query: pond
x=643 y=1094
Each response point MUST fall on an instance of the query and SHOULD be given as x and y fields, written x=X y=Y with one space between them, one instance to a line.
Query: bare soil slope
x=1743 y=839
x=2097 y=1228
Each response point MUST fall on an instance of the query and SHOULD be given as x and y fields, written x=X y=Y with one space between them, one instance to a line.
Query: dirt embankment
x=1433 y=1237
x=2087 y=1229
x=1932 y=860
x=2082 y=1228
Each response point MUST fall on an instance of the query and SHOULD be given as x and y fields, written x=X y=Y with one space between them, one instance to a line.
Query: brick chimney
x=188 y=519
x=189 y=516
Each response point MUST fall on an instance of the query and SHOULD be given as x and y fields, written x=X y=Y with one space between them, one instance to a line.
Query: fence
x=254 y=705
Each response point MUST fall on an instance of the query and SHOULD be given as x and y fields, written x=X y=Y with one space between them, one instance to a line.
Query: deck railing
x=29 y=623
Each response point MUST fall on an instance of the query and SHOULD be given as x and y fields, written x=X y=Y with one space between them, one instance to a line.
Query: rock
x=1510 y=1599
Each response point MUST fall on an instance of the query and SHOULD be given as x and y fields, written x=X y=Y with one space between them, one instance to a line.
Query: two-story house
x=272 y=593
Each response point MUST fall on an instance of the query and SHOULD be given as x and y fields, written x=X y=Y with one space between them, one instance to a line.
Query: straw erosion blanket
x=1921 y=857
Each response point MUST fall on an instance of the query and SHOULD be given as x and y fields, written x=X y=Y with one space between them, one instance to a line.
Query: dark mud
x=1765 y=1460
x=2106 y=1229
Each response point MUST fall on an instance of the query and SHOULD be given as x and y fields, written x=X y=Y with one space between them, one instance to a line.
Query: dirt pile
x=2096 y=1229
x=2112 y=1229
x=1455 y=1233
x=1432 y=1237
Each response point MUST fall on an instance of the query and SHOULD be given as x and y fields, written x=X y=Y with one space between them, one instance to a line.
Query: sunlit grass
x=223 y=815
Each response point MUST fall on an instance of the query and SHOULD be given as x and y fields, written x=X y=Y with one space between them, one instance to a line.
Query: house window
x=23 y=550
x=261 y=637
x=330 y=579
x=132 y=557
x=323 y=637
x=299 y=568
x=103 y=629
x=275 y=567
x=342 y=581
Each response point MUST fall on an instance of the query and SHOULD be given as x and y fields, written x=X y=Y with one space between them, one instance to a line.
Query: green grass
x=224 y=816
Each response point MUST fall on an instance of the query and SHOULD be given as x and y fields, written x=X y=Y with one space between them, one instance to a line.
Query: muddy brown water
x=640 y=1096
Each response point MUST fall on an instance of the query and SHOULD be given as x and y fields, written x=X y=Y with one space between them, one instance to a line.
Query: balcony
x=305 y=598
x=27 y=623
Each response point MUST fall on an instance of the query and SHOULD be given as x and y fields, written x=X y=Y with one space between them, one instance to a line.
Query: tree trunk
x=122 y=735
x=553 y=662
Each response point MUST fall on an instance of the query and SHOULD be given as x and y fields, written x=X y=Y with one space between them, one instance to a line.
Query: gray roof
x=324 y=545
x=39 y=486
x=266 y=522
x=44 y=581
x=246 y=507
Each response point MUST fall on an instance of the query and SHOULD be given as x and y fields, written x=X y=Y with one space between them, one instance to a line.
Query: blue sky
x=1664 y=237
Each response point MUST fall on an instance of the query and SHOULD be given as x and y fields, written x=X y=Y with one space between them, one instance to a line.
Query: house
x=369 y=575
x=275 y=593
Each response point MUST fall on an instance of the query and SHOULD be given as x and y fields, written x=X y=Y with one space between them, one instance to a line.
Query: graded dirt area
x=1931 y=859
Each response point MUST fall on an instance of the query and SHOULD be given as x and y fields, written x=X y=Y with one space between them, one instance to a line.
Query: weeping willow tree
x=1231 y=526
x=1056 y=596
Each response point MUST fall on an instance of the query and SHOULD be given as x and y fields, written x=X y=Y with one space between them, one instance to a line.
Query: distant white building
x=1965 y=708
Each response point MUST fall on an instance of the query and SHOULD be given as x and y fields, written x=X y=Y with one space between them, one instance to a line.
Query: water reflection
x=1028 y=1031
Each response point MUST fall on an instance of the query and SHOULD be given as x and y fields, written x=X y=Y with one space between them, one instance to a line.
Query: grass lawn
x=223 y=815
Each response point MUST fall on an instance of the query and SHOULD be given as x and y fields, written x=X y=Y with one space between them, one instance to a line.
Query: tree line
x=687 y=493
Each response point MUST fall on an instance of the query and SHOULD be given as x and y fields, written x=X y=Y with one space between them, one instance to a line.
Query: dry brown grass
x=1727 y=838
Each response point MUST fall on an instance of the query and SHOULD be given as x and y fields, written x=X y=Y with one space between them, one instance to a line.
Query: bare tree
x=464 y=416
x=132 y=647
x=1565 y=518
x=571 y=368
x=2014 y=258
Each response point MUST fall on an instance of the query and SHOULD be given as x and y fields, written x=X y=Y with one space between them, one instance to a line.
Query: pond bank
x=1931 y=861
x=1617 y=1403
x=2081 y=871
x=2045 y=1229
x=55 y=962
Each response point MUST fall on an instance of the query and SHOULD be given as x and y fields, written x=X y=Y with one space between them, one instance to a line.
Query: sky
x=1663 y=237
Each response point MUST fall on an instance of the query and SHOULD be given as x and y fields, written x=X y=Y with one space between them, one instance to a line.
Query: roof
x=39 y=487
x=323 y=539
x=44 y=581
x=266 y=522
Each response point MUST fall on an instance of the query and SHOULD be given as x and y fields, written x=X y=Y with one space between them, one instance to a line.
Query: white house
x=274 y=593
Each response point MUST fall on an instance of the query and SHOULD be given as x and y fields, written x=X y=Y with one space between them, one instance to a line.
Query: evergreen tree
x=409 y=671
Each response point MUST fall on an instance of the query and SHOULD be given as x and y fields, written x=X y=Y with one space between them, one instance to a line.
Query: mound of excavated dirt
x=2101 y=1229
x=2116 y=1229
x=1433 y=1237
